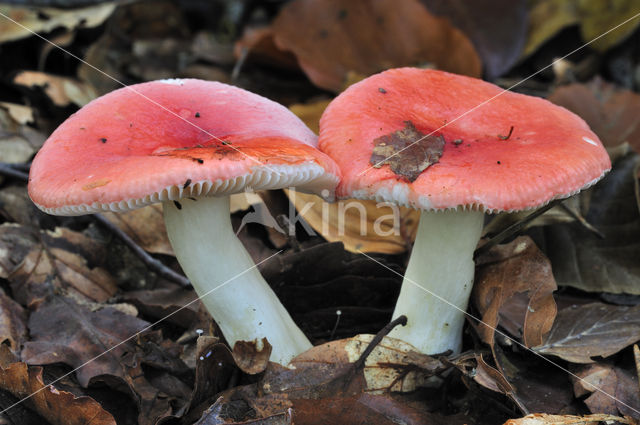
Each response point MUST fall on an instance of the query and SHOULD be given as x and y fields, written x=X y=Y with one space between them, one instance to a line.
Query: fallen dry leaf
x=65 y=332
x=145 y=226
x=621 y=388
x=596 y=329
x=361 y=225
x=18 y=141
x=13 y=327
x=62 y=91
x=56 y=406
x=548 y=17
x=46 y=19
x=584 y=261
x=544 y=419
x=22 y=114
x=611 y=112
x=367 y=37
x=503 y=273
x=326 y=387
x=164 y=302
x=496 y=28
x=39 y=262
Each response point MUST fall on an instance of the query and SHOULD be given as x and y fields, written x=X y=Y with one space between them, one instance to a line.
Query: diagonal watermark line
x=138 y=93
x=380 y=163
x=433 y=294
x=139 y=332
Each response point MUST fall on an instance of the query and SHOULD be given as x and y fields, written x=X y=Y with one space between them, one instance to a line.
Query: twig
x=514 y=228
x=9 y=170
x=359 y=364
x=154 y=265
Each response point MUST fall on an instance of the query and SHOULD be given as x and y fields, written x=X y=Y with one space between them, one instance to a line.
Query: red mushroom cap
x=512 y=152
x=169 y=139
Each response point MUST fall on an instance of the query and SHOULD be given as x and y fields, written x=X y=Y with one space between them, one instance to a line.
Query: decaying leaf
x=326 y=387
x=145 y=226
x=13 y=327
x=37 y=263
x=596 y=329
x=584 y=261
x=548 y=17
x=611 y=112
x=46 y=19
x=65 y=332
x=613 y=390
x=496 y=28
x=367 y=37
x=544 y=419
x=166 y=302
x=506 y=271
x=62 y=91
x=56 y=406
x=408 y=151
x=361 y=225
x=18 y=141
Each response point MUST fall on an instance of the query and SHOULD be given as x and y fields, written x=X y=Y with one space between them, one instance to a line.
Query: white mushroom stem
x=437 y=284
x=224 y=275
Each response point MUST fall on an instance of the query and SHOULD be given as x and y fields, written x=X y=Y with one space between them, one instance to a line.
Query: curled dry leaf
x=62 y=91
x=621 y=387
x=46 y=19
x=611 y=112
x=56 y=406
x=583 y=332
x=166 y=302
x=367 y=37
x=37 y=263
x=544 y=419
x=13 y=327
x=505 y=272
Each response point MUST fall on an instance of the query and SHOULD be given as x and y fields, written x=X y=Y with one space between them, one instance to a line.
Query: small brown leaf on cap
x=408 y=151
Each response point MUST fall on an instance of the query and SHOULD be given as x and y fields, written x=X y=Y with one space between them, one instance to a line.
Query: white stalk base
x=224 y=275
x=437 y=284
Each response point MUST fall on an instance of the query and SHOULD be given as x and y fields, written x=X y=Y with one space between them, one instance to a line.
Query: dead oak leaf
x=330 y=38
x=145 y=226
x=597 y=329
x=56 y=406
x=544 y=419
x=505 y=272
x=408 y=152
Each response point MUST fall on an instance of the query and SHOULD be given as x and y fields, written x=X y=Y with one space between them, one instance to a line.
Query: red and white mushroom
x=491 y=151
x=189 y=144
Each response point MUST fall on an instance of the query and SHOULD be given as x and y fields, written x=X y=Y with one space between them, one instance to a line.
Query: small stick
x=501 y=137
x=514 y=228
x=153 y=264
x=9 y=170
x=401 y=320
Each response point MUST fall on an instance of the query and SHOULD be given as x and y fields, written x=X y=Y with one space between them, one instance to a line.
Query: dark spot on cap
x=177 y=204
x=457 y=142
x=498 y=162
x=199 y=161
x=197 y=114
x=381 y=90
x=103 y=139
x=186 y=184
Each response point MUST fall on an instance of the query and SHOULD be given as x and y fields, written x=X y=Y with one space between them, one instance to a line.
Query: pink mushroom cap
x=164 y=140
x=549 y=154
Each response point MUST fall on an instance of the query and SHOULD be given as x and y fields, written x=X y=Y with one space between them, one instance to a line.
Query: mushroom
x=189 y=144
x=454 y=147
